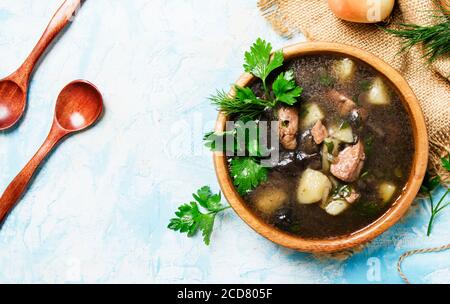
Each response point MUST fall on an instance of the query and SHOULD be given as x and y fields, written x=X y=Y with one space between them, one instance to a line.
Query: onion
x=362 y=11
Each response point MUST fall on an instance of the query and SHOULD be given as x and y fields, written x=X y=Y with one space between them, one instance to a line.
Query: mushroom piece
x=343 y=104
x=288 y=127
x=349 y=163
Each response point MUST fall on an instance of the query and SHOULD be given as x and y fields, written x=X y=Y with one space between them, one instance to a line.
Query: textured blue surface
x=98 y=210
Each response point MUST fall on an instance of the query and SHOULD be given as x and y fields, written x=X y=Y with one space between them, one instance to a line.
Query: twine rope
x=414 y=252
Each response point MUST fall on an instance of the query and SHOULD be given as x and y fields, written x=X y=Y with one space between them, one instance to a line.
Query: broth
x=363 y=161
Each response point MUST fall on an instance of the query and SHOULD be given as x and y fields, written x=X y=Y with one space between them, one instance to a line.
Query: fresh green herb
x=446 y=162
x=260 y=62
x=368 y=144
x=365 y=85
x=342 y=192
x=216 y=141
x=368 y=209
x=285 y=89
x=364 y=174
x=429 y=185
x=245 y=106
x=189 y=219
x=244 y=139
x=434 y=38
x=304 y=112
x=356 y=100
x=325 y=79
x=244 y=103
x=330 y=146
x=344 y=125
x=248 y=174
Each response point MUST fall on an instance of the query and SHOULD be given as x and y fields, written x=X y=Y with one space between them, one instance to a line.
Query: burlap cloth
x=430 y=83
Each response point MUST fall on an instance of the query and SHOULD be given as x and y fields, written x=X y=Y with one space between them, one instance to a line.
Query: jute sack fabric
x=431 y=83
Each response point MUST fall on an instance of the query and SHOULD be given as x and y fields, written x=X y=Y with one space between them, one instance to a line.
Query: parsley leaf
x=446 y=162
x=285 y=88
x=189 y=219
x=325 y=79
x=217 y=141
x=429 y=183
x=245 y=140
x=207 y=199
x=260 y=62
x=186 y=220
x=365 y=85
x=247 y=173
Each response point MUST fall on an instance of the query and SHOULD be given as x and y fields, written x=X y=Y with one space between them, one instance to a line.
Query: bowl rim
x=399 y=207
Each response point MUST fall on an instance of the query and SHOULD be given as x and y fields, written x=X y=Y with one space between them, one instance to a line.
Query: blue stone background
x=98 y=209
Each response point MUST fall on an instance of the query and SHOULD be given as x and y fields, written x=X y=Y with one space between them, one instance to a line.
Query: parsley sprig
x=260 y=62
x=429 y=186
x=190 y=219
x=285 y=89
x=248 y=173
x=244 y=105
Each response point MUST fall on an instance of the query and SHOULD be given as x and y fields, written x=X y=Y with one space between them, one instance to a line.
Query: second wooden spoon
x=79 y=106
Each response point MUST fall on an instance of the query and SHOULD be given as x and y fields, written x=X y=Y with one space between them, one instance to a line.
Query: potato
x=378 y=94
x=362 y=11
x=386 y=191
x=313 y=187
x=344 y=69
x=336 y=207
x=344 y=134
x=269 y=199
x=310 y=114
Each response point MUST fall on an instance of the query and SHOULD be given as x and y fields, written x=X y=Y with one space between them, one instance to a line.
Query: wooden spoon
x=78 y=107
x=14 y=88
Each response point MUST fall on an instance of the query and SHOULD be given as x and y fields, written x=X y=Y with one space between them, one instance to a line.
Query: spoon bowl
x=12 y=103
x=79 y=105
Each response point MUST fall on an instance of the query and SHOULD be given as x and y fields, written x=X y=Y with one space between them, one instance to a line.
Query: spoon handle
x=58 y=22
x=20 y=183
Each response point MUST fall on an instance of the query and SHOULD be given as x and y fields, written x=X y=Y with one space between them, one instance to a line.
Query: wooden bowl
x=399 y=207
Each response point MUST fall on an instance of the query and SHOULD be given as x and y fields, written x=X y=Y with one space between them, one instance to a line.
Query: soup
x=346 y=150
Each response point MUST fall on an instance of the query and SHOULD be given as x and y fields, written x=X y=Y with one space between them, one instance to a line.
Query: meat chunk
x=353 y=196
x=288 y=127
x=349 y=163
x=319 y=132
x=343 y=104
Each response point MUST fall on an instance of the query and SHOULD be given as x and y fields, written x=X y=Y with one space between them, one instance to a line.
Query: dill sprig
x=434 y=38
x=245 y=104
